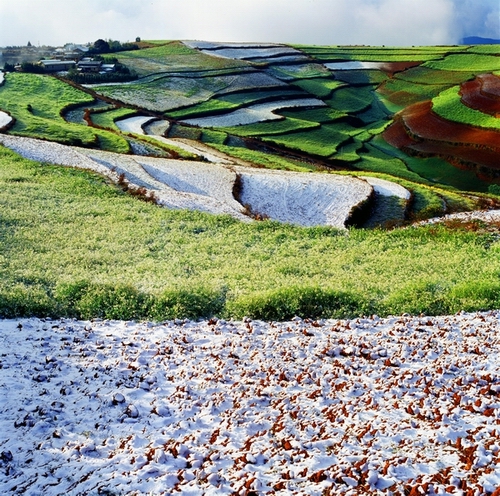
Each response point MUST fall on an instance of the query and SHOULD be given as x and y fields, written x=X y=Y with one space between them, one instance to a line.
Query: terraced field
x=427 y=115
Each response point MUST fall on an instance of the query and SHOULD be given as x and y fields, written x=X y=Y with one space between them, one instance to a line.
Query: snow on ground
x=5 y=119
x=259 y=112
x=133 y=124
x=299 y=198
x=302 y=198
x=2 y=77
x=379 y=406
x=483 y=215
x=355 y=64
x=387 y=188
x=248 y=53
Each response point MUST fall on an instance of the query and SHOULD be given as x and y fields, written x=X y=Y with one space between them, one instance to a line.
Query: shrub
x=307 y=302
x=89 y=300
x=191 y=303
x=25 y=301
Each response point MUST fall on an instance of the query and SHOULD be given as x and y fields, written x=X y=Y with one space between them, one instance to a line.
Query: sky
x=320 y=22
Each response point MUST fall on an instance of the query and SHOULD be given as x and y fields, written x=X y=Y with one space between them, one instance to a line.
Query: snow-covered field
x=355 y=64
x=259 y=112
x=5 y=119
x=378 y=406
x=302 y=199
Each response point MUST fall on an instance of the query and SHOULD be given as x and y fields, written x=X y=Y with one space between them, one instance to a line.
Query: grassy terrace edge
x=73 y=245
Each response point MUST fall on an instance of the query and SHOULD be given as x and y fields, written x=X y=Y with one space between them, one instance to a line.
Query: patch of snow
x=133 y=124
x=5 y=119
x=354 y=64
x=260 y=112
x=220 y=407
x=302 y=198
x=387 y=188
x=248 y=53
x=484 y=215
x=305 y=199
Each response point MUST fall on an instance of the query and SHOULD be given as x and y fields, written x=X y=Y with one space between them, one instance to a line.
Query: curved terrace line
x=256 y=113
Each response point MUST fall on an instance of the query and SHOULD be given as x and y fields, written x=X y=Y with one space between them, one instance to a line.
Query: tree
x=101 y=46
x=138 y=39
x=29 y=43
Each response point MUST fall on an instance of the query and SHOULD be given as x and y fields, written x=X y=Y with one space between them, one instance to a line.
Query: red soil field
x=419 y=130
x=393 y=67
x=473 y=96
x=490 y=85
x=424 y=123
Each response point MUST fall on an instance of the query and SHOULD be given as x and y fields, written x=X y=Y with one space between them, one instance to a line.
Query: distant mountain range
x=477 y=40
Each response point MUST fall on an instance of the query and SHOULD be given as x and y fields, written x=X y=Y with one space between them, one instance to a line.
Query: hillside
x=323 y=140
x=256 y=269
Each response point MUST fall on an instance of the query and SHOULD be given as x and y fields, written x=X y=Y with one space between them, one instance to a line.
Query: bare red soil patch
x=490 y=85
x=418 y=130
x=424 y=123
x=393 y=67
x=473 y=96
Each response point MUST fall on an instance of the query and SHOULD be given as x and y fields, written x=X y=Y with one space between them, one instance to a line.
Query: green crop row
x=321 y=88
x=449 y=106
x=285 y=125
x=321 y=115
x=468 y=62
x=209 y=107
x=322 y=142
x=265 y=160
x=406 y=93
x=302 y=71
x=425 y=75
x=360 y=76
x=351 y=99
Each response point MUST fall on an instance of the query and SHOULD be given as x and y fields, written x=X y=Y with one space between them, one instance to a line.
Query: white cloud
x=377 y=22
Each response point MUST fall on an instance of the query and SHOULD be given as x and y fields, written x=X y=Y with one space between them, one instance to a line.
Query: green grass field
x=449 y=106
x=467 y=62
x=37 y=102
x=73 y=245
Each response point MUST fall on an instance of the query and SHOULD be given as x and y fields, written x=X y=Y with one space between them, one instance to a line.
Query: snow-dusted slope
x=303 y=199
x=371 y=406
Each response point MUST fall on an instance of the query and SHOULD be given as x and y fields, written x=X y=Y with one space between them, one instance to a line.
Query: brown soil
x=418 y=130
x=393 y=67
x=425 y=124
x=473 y=95
x=490 y=85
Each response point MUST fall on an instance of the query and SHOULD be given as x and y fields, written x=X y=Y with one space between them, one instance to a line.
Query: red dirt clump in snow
x=473 y=95
x=418 y=130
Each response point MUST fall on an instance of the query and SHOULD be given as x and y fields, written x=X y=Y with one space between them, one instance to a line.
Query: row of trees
x=111 y=46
